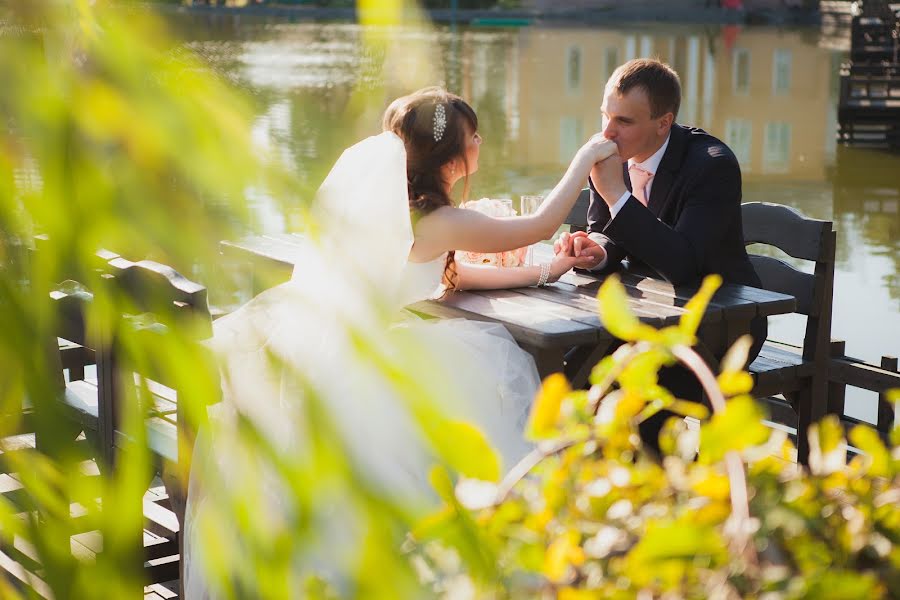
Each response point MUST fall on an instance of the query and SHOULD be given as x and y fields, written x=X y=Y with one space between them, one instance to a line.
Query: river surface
x=770 y=93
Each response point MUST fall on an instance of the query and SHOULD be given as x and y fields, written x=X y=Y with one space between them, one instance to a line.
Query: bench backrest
x=803 y=238
x=161 y=309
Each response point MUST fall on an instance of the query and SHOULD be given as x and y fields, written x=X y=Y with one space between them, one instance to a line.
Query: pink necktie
x=639 y=180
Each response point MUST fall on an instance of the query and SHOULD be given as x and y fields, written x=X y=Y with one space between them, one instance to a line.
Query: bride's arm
x=457 y=229
x=486 y=277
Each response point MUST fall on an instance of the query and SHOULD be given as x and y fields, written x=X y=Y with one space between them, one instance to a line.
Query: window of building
x=571 y=137
x=777 y=148
x=781 y=72
x=739 y=137
x=573 y=69
x=740 y=71
x=610 y=62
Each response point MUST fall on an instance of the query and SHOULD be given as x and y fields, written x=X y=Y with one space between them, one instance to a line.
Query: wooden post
x=885 y=409
x=837 y=391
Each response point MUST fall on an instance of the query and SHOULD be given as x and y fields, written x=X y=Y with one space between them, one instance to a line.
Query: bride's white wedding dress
x=335 y=338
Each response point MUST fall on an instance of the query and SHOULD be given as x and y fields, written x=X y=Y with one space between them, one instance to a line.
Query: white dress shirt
x=651 y=165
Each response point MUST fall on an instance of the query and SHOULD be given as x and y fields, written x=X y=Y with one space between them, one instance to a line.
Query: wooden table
x=559 y=324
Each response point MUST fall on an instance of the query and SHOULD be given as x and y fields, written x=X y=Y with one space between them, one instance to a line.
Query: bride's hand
x=562 y=264
x=598 y=148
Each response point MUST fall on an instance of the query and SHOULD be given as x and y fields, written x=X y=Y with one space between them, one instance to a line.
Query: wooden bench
x=161 y=317
x=799 y=373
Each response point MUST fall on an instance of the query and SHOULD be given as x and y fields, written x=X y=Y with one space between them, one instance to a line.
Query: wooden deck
x=19 y=563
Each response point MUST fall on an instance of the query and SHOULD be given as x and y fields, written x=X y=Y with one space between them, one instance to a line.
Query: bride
x=331 y=355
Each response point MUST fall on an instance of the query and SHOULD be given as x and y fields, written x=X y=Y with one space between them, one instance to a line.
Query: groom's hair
x=658 y=80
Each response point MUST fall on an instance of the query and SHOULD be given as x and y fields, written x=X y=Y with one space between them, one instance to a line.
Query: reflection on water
x=770 y=94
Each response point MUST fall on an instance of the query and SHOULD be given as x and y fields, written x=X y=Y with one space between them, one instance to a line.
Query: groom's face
x=627 y=120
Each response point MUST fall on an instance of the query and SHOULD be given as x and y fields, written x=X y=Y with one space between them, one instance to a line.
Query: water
x=771 y=94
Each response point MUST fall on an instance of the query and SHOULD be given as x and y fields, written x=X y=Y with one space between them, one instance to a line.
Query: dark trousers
x=684 y=385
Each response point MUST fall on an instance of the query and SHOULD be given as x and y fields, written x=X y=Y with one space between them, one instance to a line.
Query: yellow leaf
x=545 y=411
x=563 y=554
x=733 y=383
x=442 y=484
x=696 y=306
x=868 y=441
x=689 y=409
x=641 y=372
x=736 y=357
x=827 y=451
x=712 y=485
x=612 y=303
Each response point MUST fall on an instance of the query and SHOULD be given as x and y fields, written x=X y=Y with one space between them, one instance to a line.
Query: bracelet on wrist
x=545 y=275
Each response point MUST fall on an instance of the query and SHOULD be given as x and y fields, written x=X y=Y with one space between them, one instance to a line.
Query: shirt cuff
x=615 y=208
x=598 y=238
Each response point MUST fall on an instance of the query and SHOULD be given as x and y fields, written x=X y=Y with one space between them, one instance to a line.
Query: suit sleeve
x=679 y=252
x=598 y=218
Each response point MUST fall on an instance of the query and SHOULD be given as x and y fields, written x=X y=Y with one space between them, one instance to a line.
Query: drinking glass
x=529 y=205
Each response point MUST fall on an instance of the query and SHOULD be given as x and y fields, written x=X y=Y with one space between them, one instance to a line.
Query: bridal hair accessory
x=545 y=275
x=440 y=122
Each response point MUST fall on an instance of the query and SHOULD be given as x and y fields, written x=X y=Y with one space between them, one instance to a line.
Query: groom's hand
x=579 y=245
x=609 y=180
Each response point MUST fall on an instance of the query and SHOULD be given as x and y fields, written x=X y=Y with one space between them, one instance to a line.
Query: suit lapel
x=668 y=167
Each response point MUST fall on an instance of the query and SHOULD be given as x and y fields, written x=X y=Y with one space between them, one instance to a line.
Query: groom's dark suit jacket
x=692 y=224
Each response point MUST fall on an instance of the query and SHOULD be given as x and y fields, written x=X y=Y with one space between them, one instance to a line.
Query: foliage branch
x=590 y=513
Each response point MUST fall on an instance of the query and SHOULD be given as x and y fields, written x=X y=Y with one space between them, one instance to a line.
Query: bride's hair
x=432 y=142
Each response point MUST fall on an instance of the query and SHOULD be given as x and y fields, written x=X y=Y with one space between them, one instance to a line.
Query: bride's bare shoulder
x=434 y=233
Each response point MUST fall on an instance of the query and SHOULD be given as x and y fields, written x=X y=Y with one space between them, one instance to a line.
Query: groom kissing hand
x=674 y=206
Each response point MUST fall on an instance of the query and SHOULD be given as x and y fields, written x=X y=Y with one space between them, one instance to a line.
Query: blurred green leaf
x=667 y=549
x=841 y=584
x=467 y=448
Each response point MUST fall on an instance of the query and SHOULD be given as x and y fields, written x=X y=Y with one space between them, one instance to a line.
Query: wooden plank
x=789 y=356
x=161 y=516
x=863 y=375
x=779 y=276
x=32 y=581
x=156 y=547
x=160 y=592
x=279 y=250
x=163 y=569
x=735 y=301
x=529 y=320
x=783 y=227
x=655 y=314
x=651 y=300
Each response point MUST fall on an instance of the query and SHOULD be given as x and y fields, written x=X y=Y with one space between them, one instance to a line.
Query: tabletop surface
x=564 y=313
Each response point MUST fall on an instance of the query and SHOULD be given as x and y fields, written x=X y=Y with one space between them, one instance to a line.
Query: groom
x=674 y=207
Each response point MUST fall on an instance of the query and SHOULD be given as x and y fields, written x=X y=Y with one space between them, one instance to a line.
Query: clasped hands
x=606 y=175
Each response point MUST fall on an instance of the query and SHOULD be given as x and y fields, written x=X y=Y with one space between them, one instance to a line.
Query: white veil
x=307 y=338
x=364 y=212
